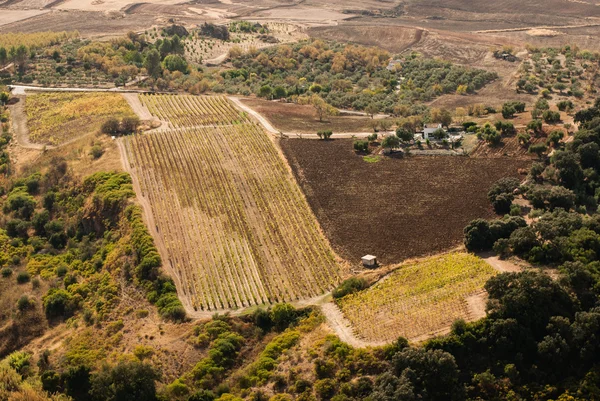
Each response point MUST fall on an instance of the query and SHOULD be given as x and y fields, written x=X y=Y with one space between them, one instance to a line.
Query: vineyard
x=193 y=111
x=57 y=117
x=418 y=299
x=237 y=231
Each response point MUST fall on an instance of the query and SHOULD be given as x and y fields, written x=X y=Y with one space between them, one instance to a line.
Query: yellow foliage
x=39 y=39
x=419 y=298
x=55 y=118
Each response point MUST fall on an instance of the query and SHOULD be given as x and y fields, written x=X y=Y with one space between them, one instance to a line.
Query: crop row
x=417 y=299
x=235 y=225
x=193 y=111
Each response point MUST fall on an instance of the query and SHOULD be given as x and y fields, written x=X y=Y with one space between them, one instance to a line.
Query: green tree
x=391 y=142
x=174 y=62
x=265 y=91
x=128 y=380
x=152 y=64
x=404 y=135
x=539 y=149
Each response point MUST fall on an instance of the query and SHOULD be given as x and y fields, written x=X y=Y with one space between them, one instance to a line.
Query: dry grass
x=294 y=118
x=56 y=118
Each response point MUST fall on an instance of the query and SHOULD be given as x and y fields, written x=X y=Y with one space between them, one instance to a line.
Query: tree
x=128 y=380
x=3 y=55
x=265 y=91
x=442 y=116
x=322 y=108
x=439 y=134
x=152 y=64
x=535 y=126
x=372 y=109
x=283 y=315
x=4 y=98
x=501 y=194
x=508 y=111
x=539 y=149
x=130 y=125
x=19 y=57
x=391 y=142
x=551 y=117
x=174 y=62
x=554 y=138
x=110 y=126
x=404 y=135
x=279 y=92
x=433 y=374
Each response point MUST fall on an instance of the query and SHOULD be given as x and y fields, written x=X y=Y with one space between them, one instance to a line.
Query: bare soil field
x=396 y=208
x=10 y=16
x=88 y=23
x=293 y=118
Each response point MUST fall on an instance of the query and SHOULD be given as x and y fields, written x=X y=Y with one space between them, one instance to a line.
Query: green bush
x=325 y=134
x=349 y=286
x=6 y=272
x=361 y=146
x=23 y=277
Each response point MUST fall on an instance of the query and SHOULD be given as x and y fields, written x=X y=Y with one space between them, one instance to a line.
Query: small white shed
x=369 y=261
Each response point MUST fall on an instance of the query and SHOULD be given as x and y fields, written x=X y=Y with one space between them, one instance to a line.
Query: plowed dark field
x=396 y=208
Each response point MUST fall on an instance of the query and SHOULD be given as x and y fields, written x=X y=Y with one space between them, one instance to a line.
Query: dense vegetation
x=348 y=76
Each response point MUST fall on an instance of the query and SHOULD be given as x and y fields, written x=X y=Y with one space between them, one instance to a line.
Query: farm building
x=427 y=132
x=369 y=261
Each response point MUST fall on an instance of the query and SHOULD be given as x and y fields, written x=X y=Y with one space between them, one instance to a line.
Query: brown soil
x=508 y=148
x=396 y=208
x=293 y=118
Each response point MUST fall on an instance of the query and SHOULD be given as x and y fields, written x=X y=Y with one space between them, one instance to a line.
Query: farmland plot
x=236 y=227
x=418 y=299
x=193 y=111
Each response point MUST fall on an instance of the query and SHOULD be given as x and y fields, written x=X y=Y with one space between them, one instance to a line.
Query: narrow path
x=19 y=125
x=343 y=328
x=18 y=90
x=271 y=129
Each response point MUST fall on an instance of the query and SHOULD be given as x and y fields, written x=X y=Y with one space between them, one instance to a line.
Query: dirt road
x=343 y=328
x=19 y=124
x=271 y=129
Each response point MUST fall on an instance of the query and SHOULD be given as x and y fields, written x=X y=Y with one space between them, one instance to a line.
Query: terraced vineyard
x=236 y=227
x=191 y=111
x=418 y=299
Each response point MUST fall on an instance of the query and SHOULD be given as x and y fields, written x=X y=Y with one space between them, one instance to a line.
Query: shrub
x=6 y=272
x=174 y=62
x=349 y=286
x=24 y=303
x=110 y=127
x=58 y=303
x=361 y=146
x=23 y=277
x=96 y=152
x=283 y=315
x=325 y=389
x=551 y=117
x=501 y=194
x=325 y=134
x=129 y=125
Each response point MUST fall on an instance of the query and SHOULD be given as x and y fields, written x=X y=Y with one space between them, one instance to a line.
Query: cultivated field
x=58 y=117
x=236 y=228
x=396 y=208
x=418 y=299
x=193 y=111
x=295 y=118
